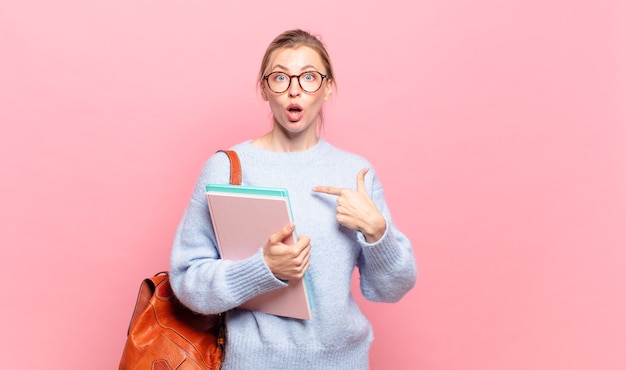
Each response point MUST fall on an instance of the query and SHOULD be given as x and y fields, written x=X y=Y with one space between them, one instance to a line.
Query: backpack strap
x=235 y=166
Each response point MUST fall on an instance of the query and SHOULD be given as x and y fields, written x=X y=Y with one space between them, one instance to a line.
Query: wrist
x=375 y=230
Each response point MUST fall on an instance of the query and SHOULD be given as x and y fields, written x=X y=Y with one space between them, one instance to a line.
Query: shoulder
x=216 y=169
x=335 y=154
x=219 y=158
x=244 y=146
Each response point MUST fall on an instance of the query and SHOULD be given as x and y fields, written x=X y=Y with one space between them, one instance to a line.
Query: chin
x=296 y=127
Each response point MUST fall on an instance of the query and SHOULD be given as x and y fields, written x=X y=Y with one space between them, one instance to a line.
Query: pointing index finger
x=327 y=190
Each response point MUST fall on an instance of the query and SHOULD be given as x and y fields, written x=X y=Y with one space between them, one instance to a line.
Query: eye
x=280 y=77
x=309 y=76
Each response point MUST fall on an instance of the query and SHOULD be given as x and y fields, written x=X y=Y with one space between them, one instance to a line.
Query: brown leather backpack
x=165 y=335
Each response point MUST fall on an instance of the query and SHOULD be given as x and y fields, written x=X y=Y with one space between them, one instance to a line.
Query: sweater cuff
x=384 y=254
x=250 y=277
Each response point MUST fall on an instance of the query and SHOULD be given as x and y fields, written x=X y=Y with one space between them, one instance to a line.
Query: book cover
x=243 y=219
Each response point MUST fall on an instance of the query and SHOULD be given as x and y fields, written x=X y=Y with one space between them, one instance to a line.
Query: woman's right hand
x=287 y=262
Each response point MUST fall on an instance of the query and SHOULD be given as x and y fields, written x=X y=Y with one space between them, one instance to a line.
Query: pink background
x=498 y=129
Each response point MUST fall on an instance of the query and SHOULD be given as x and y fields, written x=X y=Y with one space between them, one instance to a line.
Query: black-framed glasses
x=279 y=82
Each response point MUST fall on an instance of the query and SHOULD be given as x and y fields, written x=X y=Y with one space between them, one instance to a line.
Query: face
x=295 y=110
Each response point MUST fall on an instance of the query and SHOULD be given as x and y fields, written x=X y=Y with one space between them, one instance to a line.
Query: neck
x=280 y=141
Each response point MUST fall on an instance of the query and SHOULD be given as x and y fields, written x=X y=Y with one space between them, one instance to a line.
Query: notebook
x=243 y=219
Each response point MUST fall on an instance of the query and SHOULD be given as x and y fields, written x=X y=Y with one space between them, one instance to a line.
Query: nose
x=294 y=86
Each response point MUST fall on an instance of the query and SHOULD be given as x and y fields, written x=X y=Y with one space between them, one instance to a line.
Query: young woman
x=342 y=221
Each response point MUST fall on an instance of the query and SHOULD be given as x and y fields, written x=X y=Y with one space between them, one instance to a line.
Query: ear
x=328 y=90
x=263 y=92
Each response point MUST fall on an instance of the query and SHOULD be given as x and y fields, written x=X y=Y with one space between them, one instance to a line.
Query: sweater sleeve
x=387 y=267
x=200 y=279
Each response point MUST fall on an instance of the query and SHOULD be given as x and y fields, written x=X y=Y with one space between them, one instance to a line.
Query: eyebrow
x=308 y=66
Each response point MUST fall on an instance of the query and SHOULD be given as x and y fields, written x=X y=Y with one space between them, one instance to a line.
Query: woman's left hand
x=356 y=210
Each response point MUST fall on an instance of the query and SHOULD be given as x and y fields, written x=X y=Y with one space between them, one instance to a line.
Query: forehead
x=295 y=59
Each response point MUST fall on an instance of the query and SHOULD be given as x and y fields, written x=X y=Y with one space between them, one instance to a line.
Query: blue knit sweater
x=338 y=336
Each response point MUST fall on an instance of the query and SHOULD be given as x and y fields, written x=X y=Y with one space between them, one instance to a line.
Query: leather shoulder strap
x=235 y=167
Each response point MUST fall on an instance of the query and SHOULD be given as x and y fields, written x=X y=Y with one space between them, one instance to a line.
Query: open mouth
x=294 y=112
